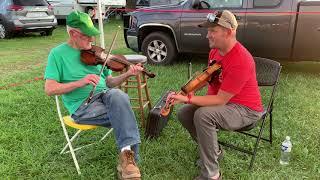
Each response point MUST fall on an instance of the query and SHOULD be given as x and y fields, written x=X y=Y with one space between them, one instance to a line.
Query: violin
x=96 y=55
x=194 y=84
x=103 y=66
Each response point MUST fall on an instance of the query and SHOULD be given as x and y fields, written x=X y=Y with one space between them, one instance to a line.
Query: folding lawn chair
x=268 y=73
x=67 y=120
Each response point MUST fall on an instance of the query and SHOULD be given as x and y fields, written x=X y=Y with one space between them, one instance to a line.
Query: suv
x=26 y=16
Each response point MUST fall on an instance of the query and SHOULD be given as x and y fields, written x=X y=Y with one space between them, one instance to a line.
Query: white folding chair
x=67 y=120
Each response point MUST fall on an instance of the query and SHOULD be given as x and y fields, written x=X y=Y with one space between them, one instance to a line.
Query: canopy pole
x=100 y=24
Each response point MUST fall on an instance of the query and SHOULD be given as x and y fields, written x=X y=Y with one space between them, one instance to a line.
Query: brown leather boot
x=127 y=168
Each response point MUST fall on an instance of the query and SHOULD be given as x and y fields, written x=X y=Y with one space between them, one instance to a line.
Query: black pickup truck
x=277 y=29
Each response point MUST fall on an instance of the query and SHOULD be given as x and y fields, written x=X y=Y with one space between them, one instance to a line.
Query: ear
x=229 y=31
x=72 y=32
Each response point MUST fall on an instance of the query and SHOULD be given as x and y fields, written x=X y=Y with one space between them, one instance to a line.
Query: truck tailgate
x=307 y=39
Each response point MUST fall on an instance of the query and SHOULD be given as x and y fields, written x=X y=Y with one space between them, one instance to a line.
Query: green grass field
x=31 y=136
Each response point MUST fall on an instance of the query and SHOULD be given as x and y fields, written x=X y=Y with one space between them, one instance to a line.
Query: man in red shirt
x=233 y=98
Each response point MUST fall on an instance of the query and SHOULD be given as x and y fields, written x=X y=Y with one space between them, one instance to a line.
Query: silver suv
x=26 y=16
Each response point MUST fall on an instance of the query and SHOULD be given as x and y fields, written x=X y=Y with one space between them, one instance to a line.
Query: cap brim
x=207 y=24
x=90 y=31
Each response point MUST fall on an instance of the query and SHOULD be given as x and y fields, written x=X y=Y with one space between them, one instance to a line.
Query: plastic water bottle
x=286 y=147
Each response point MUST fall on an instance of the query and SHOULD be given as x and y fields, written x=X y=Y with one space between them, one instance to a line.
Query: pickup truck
x=276 y=29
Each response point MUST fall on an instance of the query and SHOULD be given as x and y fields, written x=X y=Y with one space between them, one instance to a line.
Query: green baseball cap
x=83 y=22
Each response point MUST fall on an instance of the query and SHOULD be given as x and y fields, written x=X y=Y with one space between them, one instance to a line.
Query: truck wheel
x=159 y=48
x=47 y=32
x=4 y=32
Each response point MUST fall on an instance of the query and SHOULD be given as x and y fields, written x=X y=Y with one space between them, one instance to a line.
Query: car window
x=30 y=2
x=264 y=3
x=157 y=2
x=3 y=5
x=221 y=4
x=143 y=2
x=163 y=2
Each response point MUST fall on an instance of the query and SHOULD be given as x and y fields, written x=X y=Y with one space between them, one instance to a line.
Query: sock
x=125 y=148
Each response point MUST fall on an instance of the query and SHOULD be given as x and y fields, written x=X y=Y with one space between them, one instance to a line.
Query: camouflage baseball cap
x=223 y=18
x=83 y=22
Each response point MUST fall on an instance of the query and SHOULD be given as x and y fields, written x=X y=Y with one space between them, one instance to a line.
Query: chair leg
x=78 y=148
x=71 y=148
x=140 y=99
x=106 y=134
x=256 y=144
x=270 y=130
x=74 y=158
x=146 y=88
x=71 y=140
x=126 y=82
x=65 y=132
x=235 y=147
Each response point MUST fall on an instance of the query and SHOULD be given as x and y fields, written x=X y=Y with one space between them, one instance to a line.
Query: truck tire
x=4 y=32
x=159 y=48
x=47 y=32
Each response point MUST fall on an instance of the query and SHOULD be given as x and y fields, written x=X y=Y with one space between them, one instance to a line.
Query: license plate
x=36 y=14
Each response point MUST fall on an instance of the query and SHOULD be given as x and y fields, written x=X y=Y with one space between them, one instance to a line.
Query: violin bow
x=104 y=65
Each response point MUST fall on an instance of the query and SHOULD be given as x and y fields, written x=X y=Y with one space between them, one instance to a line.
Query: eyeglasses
x=211 y=17
x=83 y=36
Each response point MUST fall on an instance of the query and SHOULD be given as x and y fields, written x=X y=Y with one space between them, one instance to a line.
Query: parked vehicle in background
x=63 y=7
x=278 y=29
x=26 y=16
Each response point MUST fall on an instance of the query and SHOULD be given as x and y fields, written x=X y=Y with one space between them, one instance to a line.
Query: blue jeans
x=112 y=109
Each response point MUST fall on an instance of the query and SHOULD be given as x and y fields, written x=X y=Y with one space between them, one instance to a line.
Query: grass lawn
x=31 y=137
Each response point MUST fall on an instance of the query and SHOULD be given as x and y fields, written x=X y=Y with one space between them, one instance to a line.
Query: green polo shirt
x=64 y=66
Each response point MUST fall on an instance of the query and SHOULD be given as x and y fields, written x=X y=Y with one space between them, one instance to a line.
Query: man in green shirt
x=66 y=75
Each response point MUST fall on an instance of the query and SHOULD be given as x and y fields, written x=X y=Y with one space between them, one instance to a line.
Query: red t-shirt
x=238 y=77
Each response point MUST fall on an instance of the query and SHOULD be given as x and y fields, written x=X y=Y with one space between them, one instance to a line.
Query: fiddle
x=96 y=55
x=193 y=85
x=103 y=66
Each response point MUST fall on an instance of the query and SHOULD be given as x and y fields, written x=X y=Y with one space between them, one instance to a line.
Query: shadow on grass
x=27 y=34
x=309 y=67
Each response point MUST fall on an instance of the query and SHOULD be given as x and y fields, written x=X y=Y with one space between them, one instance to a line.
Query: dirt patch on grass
x=20 y=67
